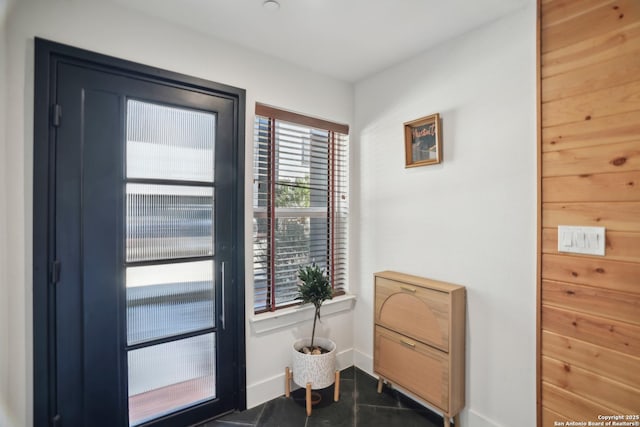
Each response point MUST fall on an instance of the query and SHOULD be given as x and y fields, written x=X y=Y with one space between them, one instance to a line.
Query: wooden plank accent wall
x=589 y=175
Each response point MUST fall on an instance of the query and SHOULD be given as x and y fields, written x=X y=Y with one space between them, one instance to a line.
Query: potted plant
x=314 y=359
x=314 y=288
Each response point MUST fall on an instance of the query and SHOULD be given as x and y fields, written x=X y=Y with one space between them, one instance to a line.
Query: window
x=300 y=203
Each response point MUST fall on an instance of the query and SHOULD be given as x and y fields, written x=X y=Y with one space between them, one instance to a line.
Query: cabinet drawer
x=419 y=368
x=419 y=313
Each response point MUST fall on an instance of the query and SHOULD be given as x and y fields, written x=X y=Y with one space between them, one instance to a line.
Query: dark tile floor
x=359 y=406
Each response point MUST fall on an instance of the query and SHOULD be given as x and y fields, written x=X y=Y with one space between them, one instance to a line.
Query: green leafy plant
x=315 y=289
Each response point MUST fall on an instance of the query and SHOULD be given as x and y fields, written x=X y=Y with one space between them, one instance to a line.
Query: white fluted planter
x=318 y=369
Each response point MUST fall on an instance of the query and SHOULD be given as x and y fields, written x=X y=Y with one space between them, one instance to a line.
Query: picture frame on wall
x=422 y=141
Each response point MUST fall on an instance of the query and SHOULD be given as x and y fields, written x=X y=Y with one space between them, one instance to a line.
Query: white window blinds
x=300 y=203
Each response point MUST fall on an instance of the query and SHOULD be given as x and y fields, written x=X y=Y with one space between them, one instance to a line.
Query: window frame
x=337 y=178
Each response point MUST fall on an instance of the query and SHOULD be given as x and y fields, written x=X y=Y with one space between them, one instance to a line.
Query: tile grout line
x=257 y=423
x=355 y=398
x=239 y=423
x=400 y=408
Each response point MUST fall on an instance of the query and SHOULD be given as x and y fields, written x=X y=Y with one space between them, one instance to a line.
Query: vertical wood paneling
x=571 y=406
x=550 y=418
x=592 y=271
x=595 y=358
x=617 y=71
x=592 y=300
x=620 y=397
x=610 y=187
x=589 y=175
x=621 y=216
x=591 y=51
x=592 y=133
x=560 y=11
x=600 y=103
x=613 y=16
x=620 y=157
x=612 y=334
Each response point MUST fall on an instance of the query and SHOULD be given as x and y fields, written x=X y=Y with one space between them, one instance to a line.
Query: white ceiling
x=345 y=39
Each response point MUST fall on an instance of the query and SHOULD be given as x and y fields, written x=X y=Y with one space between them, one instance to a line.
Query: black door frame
x=48 y=55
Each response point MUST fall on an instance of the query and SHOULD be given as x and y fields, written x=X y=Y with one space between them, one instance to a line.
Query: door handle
x=222 y=284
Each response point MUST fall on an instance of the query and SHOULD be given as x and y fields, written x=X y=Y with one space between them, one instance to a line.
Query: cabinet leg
x=308 y=399
x=380 y=382
x=336 y=389
x=456 y=420
x=287 y=382
x=447 y=422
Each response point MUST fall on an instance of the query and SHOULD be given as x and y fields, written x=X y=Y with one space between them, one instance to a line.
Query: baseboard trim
x=363 y=361
x=273 y=387
x=476 y=419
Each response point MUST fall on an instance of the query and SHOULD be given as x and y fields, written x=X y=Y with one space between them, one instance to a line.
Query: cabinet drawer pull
x=408 y=289
x=408 y=343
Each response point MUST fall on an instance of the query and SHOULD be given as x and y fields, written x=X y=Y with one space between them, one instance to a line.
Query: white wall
x=469 y=220
x=4 y=302
x=112 y=30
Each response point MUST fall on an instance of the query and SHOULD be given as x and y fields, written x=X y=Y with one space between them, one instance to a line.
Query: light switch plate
x=581 y=240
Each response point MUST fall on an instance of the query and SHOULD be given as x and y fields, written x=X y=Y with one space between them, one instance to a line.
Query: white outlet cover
x=581 y=240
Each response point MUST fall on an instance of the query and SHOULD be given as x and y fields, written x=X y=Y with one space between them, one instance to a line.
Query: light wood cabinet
x=419 y=339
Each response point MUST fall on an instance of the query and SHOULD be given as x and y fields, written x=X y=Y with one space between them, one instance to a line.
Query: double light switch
x=581 y=240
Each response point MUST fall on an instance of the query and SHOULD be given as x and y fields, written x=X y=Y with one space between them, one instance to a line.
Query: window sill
x=267 y=322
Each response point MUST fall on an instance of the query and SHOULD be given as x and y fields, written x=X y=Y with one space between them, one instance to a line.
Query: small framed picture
x=422 y=142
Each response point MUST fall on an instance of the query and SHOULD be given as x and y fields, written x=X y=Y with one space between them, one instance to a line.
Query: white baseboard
x=273 y=387
x=363 y=361
x=344 y=359
x=471 y=418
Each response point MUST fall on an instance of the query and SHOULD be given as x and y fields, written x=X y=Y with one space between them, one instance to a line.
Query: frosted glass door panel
x=170 y=277
x=169 y=143
x=168 y=221
x=171 y=376
x=169 y=299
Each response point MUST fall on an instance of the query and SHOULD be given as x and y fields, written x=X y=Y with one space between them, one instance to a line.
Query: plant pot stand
x=313 y=371
x=309 y=398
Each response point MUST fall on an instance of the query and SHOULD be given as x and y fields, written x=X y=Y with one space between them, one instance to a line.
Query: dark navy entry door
x=144 y=229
